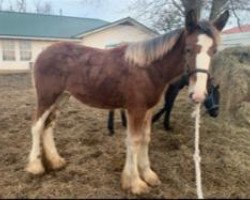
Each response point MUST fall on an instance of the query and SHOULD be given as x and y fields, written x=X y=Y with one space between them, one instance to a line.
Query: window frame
x=25 y=51
x=8 y=50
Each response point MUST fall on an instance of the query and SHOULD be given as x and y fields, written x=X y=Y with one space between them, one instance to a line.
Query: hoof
x=151 y=178
x=111 y=132
x=125 y=182
x=139 y=187
x=57 y=164
x=136 y=187
x=35 y=167
x=168 y=128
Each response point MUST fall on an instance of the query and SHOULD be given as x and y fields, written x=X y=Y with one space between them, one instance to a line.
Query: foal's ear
x=221 y=21
x=191 y=20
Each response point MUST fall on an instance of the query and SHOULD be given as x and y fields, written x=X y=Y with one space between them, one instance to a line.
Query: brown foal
x=132 y=77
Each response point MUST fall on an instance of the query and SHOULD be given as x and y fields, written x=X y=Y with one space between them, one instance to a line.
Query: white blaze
x=202 y=62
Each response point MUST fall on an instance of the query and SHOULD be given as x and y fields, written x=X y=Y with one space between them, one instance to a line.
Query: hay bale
x=231 y=69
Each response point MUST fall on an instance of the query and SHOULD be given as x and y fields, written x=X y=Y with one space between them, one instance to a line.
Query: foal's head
x=202 y=40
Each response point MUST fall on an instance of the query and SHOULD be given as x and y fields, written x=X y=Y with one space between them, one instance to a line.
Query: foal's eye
x=215 y=51
x=188 y=50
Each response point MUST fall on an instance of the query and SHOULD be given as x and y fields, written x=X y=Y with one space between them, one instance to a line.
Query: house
x=236 y=36
x=24 y=35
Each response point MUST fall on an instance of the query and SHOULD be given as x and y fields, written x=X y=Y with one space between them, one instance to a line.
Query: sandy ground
x=95 y=160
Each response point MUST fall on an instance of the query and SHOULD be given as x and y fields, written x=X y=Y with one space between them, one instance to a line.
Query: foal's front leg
x=131 y=179
x=145 y=170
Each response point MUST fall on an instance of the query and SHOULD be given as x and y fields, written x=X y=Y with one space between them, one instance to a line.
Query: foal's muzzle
x=197 y=97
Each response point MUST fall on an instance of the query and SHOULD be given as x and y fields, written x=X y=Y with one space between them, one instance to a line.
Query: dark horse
x=132 y=77
x=211 y=103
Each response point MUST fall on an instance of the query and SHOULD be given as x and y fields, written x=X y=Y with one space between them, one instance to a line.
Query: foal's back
x=94 y=76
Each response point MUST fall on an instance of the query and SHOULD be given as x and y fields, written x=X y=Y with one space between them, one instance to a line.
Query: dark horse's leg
x=124 y=119
x=158 y=115
x=170 y=97
x=111 y=122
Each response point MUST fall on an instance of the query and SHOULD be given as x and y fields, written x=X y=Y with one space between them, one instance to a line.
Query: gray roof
x=45 y=26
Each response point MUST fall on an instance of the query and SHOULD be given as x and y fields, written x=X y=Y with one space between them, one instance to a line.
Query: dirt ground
x=95 y=160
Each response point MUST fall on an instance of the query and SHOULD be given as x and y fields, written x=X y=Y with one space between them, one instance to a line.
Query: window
x=25 y=50
x=8 y=50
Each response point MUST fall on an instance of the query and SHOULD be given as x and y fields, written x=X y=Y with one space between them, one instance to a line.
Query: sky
x=108 y=10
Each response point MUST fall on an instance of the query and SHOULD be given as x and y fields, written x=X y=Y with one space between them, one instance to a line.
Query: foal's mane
x=145 y=52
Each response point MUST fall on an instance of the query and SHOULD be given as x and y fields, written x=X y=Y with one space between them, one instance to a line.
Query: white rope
x=196 y=156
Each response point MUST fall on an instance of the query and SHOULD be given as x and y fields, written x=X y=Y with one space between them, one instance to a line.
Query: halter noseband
x=195 y=71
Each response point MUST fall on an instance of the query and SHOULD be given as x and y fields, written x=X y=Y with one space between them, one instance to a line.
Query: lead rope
x=196 y=156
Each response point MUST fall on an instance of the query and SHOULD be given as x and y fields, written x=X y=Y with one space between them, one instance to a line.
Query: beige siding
x=110 y=36
x=116 y=35
x=37 y=47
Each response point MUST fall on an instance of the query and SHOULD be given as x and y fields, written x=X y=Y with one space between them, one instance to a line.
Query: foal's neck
x=172 y=65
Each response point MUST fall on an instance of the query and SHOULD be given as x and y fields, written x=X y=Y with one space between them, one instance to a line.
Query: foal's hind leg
x=52 y=156
x=42 y=126
x=35 y=165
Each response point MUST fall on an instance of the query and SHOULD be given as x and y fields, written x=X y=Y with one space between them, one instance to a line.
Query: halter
x=195 y=71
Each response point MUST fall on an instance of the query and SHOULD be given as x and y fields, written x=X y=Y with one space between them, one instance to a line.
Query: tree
x=17 y=5
x=192 y=4
x=43 y=7
x=1 y=4
x=217 y=7
x=165 y=15
x=39 y=6
x=21 y=5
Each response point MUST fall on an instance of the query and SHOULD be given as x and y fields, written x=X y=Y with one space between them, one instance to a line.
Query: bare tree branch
x=236 y=16
x=168 y=14
x=10 y=5
x=43 y=7
x=1 y=4
x=21 y=5
x=193 y=4
x=217 y=7
x=178 y=6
